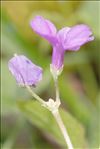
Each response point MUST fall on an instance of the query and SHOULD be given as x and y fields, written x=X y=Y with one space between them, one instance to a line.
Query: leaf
x=9 y=92
x=74 y=102
x=94 y=127
x=13 y=133
x=43 y=119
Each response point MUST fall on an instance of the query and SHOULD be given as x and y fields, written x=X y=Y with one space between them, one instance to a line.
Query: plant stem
x=57 y=91
x=55 y=111
x=60 y=123
x=35 y=95
x=50 y=105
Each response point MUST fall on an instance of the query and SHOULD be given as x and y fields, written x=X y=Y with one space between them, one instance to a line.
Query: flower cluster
x=68 y=38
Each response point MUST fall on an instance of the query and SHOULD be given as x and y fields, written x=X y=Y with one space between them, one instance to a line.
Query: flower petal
x=77 y=36
x=57 y=57
x=45 y=28
x=24 y=71
x=61 y=35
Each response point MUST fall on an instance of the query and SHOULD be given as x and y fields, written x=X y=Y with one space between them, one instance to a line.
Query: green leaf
x=9 y=90
x=43 y=119
x=73 y=101
x=94 y=127
x=13 y=133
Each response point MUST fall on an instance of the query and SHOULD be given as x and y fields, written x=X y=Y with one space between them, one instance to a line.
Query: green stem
x=57 y=91
x=35 y=95
x=53 y=107
x=61 y=125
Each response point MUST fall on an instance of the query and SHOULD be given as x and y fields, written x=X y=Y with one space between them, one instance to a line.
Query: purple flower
x=24 y=71
x=65 y=39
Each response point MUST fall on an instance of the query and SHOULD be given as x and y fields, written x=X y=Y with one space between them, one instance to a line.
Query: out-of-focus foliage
x=25 y=124
x=30 y=110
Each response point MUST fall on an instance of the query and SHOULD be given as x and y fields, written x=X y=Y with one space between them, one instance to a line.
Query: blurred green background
x=27 y=125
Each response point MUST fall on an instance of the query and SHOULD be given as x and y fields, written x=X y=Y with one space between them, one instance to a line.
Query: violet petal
x=61 y=35
x=77 y=36
x=45 y=28
x=24 y=71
